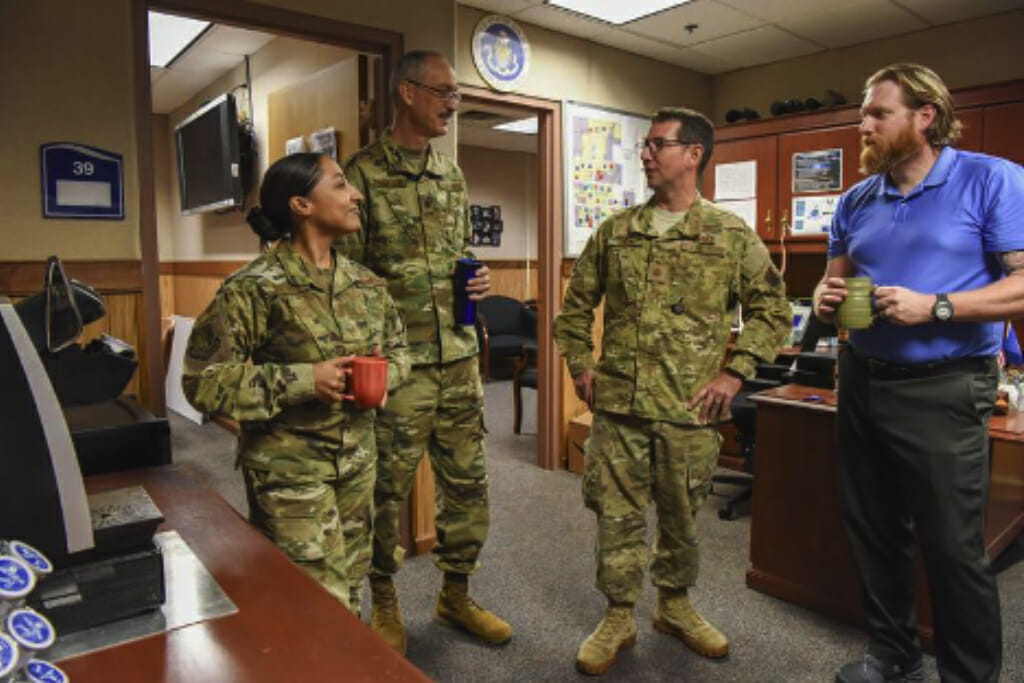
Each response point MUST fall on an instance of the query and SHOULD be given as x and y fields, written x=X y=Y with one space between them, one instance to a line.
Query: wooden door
x=973 y=120
x=843 y=138
x=1002 y=136
x=761 y=150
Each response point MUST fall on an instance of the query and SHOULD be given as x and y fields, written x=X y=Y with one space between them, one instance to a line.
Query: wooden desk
x=287 y=627
x=798 y=547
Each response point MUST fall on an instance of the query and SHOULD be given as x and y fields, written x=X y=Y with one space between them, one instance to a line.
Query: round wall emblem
x=501 y=52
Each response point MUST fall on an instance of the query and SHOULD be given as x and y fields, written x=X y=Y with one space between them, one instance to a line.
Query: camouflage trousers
x=631 y=461
x=439 y=410
x=324 y=526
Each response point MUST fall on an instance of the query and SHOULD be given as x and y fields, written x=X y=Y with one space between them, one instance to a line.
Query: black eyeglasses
x=440 y=93
x=655 y=145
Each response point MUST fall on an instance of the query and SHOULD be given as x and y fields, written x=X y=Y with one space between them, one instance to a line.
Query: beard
x=878 y=155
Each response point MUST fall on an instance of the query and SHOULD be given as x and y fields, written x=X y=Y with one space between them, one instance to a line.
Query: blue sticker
x=8 y=654
x=33 y=557
x=44 y=672
x=501 y=53
x=79 y=181
x=30 y=629
x=15 y=578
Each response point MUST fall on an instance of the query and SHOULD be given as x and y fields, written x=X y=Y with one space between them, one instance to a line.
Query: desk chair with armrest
x=809 y=370
x=504 y=326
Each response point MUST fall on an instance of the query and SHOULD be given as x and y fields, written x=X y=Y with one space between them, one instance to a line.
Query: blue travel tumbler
x=465 y=309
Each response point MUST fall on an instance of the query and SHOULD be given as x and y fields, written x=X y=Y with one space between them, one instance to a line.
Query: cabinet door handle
x=785 y=221
x=768 y=223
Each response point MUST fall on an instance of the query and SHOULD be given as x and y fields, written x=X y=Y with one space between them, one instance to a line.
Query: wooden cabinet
x=763 y=151
x=1002 y=131
x=973 y=121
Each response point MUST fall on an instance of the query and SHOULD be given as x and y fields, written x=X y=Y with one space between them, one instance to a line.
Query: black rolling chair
x=744 y=419
x=811 y=368
x=525 y=376
x=504 y=326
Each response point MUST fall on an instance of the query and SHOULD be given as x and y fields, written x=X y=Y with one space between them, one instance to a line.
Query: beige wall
x=508 y=179
x=66 y=69
x=226 y=236
x=571 y=68
x=976 y=52
x=66 y=73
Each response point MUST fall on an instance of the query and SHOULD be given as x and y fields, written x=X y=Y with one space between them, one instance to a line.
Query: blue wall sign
x=501 y=52
x=81 y=181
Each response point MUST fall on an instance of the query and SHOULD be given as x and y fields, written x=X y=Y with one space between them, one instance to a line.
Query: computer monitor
x=42 y=496
x=802 y=313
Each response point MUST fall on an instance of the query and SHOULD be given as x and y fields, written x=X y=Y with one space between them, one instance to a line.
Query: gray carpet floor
x=538 y=572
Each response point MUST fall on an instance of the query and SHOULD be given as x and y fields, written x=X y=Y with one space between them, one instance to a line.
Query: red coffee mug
x=368 y=381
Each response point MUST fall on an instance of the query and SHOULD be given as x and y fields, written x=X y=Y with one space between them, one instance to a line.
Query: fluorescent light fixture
x=525 y=126
x=617 y=11
x=169 y=35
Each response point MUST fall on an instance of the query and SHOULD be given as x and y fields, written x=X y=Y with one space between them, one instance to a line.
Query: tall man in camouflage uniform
x=415 y=228
x=671 y=273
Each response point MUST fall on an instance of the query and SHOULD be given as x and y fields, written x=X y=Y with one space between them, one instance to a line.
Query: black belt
x=880 y=369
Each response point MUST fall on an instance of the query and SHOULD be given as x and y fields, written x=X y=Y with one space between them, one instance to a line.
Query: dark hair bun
x=263 y=226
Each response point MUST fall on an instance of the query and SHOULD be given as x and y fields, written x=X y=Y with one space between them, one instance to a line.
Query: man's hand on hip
x=584 y=384
x=715 y=399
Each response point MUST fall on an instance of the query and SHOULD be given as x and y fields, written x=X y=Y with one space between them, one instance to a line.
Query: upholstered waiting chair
x=525 y=376
x=504 y=326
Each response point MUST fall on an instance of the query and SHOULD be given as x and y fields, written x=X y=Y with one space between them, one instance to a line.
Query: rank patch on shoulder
x=203 y=342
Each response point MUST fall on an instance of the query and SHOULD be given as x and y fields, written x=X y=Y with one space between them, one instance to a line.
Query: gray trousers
x=913 y=457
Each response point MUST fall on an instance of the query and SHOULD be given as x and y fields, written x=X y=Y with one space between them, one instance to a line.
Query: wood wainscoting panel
x=515 y=279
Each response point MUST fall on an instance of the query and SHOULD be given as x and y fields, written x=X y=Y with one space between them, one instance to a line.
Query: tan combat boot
x=615 y=633
x=675 y=615
x=386 y=619
x=456 y=608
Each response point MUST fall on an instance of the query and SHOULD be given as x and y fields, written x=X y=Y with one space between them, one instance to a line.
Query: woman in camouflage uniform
x=272 y=351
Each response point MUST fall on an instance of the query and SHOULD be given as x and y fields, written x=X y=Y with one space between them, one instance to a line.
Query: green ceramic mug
x=855 y=313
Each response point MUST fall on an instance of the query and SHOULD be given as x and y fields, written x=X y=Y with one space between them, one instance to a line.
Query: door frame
x=388 y=44
x=550 y=406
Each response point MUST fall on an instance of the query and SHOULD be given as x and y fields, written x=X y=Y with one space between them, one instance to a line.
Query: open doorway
x=247 y=18
x=509 y=149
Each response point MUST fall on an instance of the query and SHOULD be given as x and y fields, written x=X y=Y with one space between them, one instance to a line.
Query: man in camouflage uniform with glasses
x=415 y=228
x=670 y=272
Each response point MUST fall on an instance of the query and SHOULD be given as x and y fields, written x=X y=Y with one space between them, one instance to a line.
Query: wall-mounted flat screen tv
x=209 y=175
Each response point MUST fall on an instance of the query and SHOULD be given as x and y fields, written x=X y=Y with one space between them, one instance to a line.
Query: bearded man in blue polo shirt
x=940 y=232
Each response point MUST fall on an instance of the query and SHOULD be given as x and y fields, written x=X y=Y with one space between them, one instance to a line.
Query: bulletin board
x=603 y=171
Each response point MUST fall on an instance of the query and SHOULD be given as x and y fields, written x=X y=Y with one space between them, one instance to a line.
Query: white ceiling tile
x=774 y=11
x=702 y=63
x=947 y=11
x=561 y=20
x=655 y=49
x=759 y=46
x=234 y=40
x=713 y=20
x=851 y=23
x=501 y=6
x=206 y=61
x=175 y=88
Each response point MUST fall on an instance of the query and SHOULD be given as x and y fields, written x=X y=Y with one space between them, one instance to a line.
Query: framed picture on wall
x=487 y=225
x=603 y=170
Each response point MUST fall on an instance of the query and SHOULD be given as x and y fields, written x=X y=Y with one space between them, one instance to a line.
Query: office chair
x=525 y=375
x=504 y=326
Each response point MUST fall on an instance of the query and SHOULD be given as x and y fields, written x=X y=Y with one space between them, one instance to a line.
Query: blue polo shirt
x=944 y=236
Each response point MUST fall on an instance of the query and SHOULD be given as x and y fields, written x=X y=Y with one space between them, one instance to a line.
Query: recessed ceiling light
x=525 y=126
x=169 y=35
x=617 y=11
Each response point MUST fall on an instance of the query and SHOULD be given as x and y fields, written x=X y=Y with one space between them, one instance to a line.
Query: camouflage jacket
x=668 y=309
x=415 y=227
x=251 y=355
